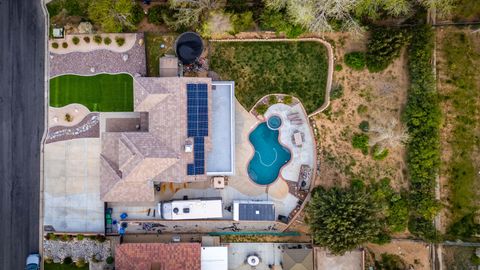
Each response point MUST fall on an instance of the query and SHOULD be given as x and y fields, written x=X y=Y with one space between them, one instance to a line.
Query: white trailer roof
x=191 y=209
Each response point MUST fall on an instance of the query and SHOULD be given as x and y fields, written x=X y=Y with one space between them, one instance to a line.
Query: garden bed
x=101 y=93
x=260 y=68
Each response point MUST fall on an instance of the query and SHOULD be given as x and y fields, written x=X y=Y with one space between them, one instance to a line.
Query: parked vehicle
x=33 y=262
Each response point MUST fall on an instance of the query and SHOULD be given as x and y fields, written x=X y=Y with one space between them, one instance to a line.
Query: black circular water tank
x=188 y=47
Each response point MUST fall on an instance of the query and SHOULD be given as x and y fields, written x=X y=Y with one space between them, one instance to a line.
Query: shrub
x=278 y=22
x=336 y=92
x=120 y=41
x=390 y=261
x=362 y=109
x=80 y=263
x=109 y=260
x=261 y=108
x=97 y=39
x=475 y=259
x=242 y=21
x=75 y=40
x=80 y=237
x=355 y=60
x=100 y=238
x=51 y=236
x=360 y=141
x=272 y=99
x=86 y=39
x=338 y=67
x=48 y=260
x=384 y=46
x=364 y=126
x=107 y=41
x=379 y=153
x=157 y=14
x=64 y=45
x=136 y=14
x=92 y=237
x=287 y=100
x=55 y=45
x=67 y=260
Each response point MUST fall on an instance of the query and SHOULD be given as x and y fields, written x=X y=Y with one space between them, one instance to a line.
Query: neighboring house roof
x=152 y=256
x=298 y=259
x=132 y=161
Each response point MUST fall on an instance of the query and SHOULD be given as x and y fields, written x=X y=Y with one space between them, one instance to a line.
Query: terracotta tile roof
x=141 y=256
x=132 y=161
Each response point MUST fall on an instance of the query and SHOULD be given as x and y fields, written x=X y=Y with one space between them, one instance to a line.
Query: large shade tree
x=343 y=219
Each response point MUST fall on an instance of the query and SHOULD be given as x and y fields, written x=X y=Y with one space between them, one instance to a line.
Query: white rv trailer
x=191 y=209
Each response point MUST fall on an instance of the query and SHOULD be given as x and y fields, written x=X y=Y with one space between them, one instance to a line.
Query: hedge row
x=422 y=117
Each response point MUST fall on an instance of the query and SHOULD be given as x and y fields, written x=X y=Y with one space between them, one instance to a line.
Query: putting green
x=99 y=93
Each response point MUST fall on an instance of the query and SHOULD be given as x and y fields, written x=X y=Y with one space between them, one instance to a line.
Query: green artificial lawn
x=100 y=93
x=297 y=68
x=59 y=266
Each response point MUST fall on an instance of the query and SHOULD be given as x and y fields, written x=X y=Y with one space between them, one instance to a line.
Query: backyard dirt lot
x=416 y=254
x=378 y=98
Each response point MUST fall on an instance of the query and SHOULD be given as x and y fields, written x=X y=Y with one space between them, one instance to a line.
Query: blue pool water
x=274 y=122
x=270 y=155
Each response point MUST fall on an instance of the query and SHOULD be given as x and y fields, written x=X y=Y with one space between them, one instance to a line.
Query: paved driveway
x=21 y=127
x=72 y=186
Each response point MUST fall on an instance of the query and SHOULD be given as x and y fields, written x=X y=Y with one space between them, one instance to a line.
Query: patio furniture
x=298 y=138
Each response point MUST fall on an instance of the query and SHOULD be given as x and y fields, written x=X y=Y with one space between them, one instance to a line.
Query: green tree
x=113 y=16
x=384 y=46
x=343 y=219
x=355 y=60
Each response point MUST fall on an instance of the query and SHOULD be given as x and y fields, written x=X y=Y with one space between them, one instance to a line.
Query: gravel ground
x=103 y=61
x=89 y=127
x=86 y=249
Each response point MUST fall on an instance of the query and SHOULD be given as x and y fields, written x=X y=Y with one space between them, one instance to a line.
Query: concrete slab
x=72 y=186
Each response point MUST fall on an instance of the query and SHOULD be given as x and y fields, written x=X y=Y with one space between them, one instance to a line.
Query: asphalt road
x=21 y=128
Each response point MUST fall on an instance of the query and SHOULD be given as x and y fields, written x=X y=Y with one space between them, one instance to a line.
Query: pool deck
x=304 y=155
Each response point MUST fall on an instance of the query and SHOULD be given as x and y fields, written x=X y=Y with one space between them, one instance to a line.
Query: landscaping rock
x=85 y=28
x=86 y=249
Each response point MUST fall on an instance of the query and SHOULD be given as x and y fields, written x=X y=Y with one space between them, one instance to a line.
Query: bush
x=55 y=45
x=364 y=126
x=390 y=262
x=80 y=263
x=109 y=260
x=107 y=41
x=272 y=99
x=75 y=40
x=51 y=236
x=384 y=46
x=64 y=45
x=336 y=92
x=360 y=141
x=48 y=260
x=261 y=108
x=278 y=22
x=67 y=260
x=355 y=60
x=465 y=227
x=120 y=41
x=86 y=39
x=475 y=259
x=242 y=22
x=97 y=39
x=379 y=153
x=136 y=14
x=287 y=100
x=158 y=14
x=92 y=237
x=338 y=67
x=80 y=237
x=423 y=228
x=100 y=238
x=362 y=109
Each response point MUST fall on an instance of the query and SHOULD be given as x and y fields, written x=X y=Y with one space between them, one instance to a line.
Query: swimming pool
x=270 y=156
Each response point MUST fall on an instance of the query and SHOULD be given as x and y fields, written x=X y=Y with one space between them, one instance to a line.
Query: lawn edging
x=329 y=48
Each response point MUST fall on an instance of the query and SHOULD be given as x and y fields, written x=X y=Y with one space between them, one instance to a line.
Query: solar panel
x=197 y=125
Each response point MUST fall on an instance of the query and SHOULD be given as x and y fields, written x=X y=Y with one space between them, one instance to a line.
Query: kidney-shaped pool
x=270 y=156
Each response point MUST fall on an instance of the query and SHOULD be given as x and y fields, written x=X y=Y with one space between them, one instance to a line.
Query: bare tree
x=193 y=12
x=388 y=133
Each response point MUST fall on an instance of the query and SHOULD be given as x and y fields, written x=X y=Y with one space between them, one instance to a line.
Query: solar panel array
x=197 y=125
